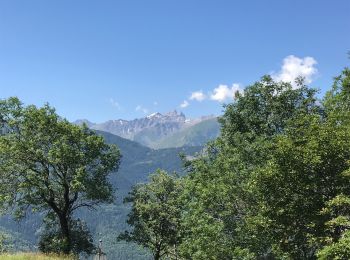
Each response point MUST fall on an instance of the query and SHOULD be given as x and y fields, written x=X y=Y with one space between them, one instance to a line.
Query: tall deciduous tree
x=48 y=164
x=155 y=215
x=303 y=189
x=221 y=209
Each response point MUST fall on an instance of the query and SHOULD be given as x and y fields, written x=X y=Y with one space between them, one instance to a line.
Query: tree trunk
x=64 y=223
x=157 y=255
x=158 y=250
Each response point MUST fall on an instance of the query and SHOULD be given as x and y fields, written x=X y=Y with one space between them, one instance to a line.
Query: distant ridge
x=196 y=135
x=158 y=130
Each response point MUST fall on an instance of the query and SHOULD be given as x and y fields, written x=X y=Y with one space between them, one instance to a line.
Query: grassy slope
x=33 y=256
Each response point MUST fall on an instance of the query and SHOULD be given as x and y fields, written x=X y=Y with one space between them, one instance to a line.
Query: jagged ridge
x=154 y=128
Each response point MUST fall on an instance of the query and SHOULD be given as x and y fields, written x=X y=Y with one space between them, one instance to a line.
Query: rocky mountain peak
x=172 y=116
x=172 y=113
x=154 y=115
x=146 y=130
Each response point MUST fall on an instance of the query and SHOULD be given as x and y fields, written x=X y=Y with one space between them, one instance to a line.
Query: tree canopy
x=155 y=215
x=48 y=164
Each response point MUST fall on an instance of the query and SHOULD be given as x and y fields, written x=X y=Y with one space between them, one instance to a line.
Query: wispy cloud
x=198 y=96
x=223 y=92
x=294 y=67
x=142 y=109
x=184 y=104
x=115 y=104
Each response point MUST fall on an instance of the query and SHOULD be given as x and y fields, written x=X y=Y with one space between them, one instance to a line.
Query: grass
x=34 y=256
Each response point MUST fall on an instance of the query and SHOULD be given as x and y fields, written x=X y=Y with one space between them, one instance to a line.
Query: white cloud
x=294 y=67
x=223 y=92
x=198 y=95
x=184 y=104
x=115 y=103
x=155 y=103
x=142 y=109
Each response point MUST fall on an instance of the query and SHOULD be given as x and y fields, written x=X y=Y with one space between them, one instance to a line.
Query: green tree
x=155 y=215
x=221 y=208
x=335 y=244
x=306 y=177
x=305 y=171
x=339 y=250
x=48 y=164
x=265 y=108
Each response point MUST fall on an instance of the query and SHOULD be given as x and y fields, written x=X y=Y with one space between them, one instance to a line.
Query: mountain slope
x=196 y=135
x=144 y=130
x=161 y=131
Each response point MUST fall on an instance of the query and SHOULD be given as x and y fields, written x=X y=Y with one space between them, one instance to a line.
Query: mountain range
x=158 y=130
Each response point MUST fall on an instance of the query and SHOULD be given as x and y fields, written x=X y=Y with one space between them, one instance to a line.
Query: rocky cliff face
x=143 y=130
x=162 y=130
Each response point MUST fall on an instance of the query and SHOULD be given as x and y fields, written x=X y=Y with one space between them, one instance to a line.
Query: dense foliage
x=155 y=215
x=81 y=240
x=221 y=198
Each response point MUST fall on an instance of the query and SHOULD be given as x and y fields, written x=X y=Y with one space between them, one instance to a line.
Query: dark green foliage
x=265 y=108
x=155 y=215
x=275 y=184
x=305 y=185
x=305 y=171
x=339 y=250
x=52 y=239
x=222 y=210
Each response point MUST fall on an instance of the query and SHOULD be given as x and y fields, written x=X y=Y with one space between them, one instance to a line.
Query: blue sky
x=105 y=60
